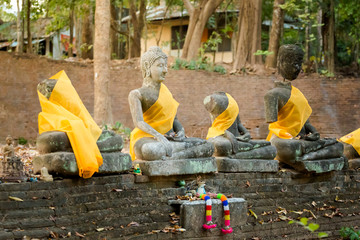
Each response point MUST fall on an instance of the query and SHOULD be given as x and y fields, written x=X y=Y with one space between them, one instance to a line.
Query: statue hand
x=167 y=145
x=180 y=135
x=312 y=136
x=244 y=137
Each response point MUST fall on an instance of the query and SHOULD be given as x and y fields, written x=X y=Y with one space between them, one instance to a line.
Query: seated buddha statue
x=229 y=136
x=288 y=111
x=158 y=134
x=65 y=125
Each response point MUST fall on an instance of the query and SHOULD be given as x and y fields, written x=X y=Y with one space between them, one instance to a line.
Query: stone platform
x=64 y=163
x=177 y=167
x=321 y=166
x=246 y=165
x=192 y=214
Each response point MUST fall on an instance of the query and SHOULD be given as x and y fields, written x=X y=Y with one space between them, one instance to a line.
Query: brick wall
x=112 y=203
x=335 y=103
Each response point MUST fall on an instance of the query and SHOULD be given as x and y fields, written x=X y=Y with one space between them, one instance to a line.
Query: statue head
x=216 y=103
x=290 y=58
x=9 y=140
x=149 y=58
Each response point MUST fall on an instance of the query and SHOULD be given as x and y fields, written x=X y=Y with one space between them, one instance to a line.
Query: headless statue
x=288 y=112
x=229 y=136
x=158 y=133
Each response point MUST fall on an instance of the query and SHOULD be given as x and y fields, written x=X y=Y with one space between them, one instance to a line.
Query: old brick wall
x=112 y=203
x=335 y=103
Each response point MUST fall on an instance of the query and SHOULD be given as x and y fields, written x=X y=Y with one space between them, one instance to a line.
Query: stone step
x=177 y=167
x=246 y=165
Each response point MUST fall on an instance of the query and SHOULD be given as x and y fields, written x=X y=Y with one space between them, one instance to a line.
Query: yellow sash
x=65 y=112
x=353 y=139
x=224 y=120
x=160 y=116
x=291 y=117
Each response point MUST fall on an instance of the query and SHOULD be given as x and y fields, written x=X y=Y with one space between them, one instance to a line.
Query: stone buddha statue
x=70 y=142
x=158 y=134
x=8 y=149
x=288 y=112
x=229 y=136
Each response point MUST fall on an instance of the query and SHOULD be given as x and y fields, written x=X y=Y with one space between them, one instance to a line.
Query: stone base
x=246 y=165
x=64 y=163
x=354 y=163
x=192 y=215
x=321 y=166
x=177 y=167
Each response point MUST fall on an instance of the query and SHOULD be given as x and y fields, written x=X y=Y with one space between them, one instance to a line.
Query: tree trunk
x=114 y=38
x=18 y=28
x=275 y=33
x=329 y=36
x=28 y=22
x=71 y=25
x=87 y=33
x=22 y=26
x=138 y=23
x=249 y=38
x=198 y=17
x=102 y=99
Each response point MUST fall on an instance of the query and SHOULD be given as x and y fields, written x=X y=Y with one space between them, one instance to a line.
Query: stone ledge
x=64 y=163
x=354 y=163
x=177 y=167
x=246 y=165
x=321 y=166
x=192 y=215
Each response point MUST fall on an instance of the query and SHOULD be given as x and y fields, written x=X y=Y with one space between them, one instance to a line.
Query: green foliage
x=312 y=227
x=197 y=65
x=219 y=69
x=349 y=233
x=22 y=141
x=260 y=52
x=119 y=128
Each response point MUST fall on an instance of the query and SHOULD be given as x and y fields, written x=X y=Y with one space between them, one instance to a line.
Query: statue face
x=158 y=70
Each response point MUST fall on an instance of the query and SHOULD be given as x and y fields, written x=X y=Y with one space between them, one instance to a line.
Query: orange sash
x=353 y=139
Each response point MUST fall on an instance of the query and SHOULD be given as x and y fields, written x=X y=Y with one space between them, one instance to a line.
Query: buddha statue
x=70 y=141
x=229 y=136
x=8 y=149
x=159 y=134
x=287 y=110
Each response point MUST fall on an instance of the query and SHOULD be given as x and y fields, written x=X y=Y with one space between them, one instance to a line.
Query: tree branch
x=189 y=7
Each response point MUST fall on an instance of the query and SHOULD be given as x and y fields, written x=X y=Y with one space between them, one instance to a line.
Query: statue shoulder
x=135 y=94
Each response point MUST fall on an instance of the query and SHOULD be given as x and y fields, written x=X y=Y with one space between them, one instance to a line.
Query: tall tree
x=138 y=23
x=198 y=16
x=87 y=32
x=329 y=35
x=102 y=100
x=275 y=33
x=19 y=23
x=28 y=24
x=71 y=26
x=249 y=35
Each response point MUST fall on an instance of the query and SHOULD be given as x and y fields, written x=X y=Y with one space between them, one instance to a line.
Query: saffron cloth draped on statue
x=160 y=116
x=225 y=119
x=65 y=112
x=291 y=117
x=353 y=139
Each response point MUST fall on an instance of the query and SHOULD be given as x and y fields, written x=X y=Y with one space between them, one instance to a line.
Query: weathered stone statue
x=229 y=136
x=158 y=134
x=8 y=149
x=297 y=142
x=70 y=142
x=351 y=143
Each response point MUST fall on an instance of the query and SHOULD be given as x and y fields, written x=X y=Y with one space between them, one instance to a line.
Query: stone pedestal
x=246 y=165
x=192 y=215
x=321 y=166
x=177 y=167
x=12 y=170
x=64 y=163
